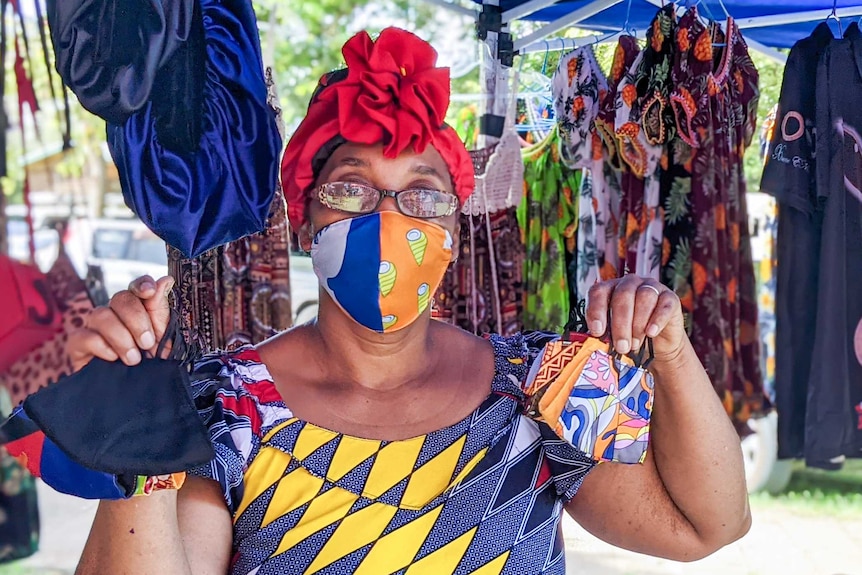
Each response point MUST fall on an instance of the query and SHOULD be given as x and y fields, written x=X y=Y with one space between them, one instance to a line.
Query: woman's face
x=363 y=164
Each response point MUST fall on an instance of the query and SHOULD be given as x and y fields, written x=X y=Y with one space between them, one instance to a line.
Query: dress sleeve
x=229 y=415
x=568 y=464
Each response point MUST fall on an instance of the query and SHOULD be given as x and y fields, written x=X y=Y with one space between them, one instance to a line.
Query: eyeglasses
x=361 y=199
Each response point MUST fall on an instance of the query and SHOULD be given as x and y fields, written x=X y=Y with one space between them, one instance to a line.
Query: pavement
x=780 y=543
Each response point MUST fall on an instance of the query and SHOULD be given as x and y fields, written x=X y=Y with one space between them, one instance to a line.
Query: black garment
x=789 y=177
x=832 y=427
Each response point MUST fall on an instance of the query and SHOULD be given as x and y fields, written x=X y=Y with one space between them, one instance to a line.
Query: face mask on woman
x=383 y=268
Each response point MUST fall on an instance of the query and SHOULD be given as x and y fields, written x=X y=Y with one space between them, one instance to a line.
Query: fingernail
x=170 y=285
x=597 y=328
x=636 y=344
x=652 y=330
x=622 y=346
x=147 y=286
x=148 y=340
x=133 y=356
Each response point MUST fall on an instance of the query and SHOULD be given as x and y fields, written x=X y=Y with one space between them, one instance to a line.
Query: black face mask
x=121 y=420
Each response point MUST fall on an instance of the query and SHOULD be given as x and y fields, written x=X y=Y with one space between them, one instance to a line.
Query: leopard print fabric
x=49 y=362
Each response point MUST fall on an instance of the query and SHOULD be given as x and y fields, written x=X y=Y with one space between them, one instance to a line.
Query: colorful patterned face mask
x=594 y=399
x=382 y=269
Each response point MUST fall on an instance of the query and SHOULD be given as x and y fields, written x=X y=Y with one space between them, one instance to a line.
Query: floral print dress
x=607 y=184
x=724 y=319
x=689 y=101
x=580 y=86
x=548 y=218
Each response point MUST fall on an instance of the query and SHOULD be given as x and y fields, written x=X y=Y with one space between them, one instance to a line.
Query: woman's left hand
x=638 y=308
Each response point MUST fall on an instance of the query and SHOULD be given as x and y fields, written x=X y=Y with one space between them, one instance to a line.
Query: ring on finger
x=652 y=287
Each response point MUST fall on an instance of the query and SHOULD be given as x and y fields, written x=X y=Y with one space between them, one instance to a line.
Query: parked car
x=123 y=249
x=126 y=249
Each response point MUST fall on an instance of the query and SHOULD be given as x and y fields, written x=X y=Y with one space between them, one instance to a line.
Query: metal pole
x=797 y=17
x=525 y=9
x=571 y=19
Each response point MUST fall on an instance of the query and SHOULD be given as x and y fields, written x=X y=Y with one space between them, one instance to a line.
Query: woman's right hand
x=136 y=319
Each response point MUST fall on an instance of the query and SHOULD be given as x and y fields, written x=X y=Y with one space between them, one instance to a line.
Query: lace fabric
x=500 y=184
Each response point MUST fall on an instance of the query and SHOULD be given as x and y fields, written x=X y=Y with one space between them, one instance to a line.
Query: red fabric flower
x=393 y=94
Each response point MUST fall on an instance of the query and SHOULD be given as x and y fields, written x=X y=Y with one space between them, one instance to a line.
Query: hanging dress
x=482 y=292
x=724 y=317
x=653 y=85
x=630 y=146
x=579 y=86
x=833 y=426
x=547 y=217
x=689 y=101
x=789 y=176
x=607 y=188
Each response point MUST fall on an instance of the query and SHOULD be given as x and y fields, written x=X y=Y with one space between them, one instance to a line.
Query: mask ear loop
x=181 y=350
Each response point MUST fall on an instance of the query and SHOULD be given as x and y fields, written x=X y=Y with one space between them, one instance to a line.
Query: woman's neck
x=370 y=360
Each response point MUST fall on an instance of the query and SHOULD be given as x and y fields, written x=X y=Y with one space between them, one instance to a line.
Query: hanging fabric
x=482 y=291
x=48 y=362
x=689 y=101
x=19 y=520
x=643 y=127
x=579 y=86
x=220 y=188
x=239 y=293
x=833 y=419
x=110 y=55
x=548 y=217
x=188 y=126
x=789 y=176
x=607 y=183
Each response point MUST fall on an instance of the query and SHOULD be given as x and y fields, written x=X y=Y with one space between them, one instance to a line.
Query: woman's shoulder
x=515 y=355
x=236 y=386
x=526 y=345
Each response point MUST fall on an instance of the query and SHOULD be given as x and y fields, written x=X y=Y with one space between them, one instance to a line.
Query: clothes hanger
x=834 y=15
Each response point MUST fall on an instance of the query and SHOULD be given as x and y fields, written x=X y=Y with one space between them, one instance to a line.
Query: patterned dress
x=724 y=317
x=579 y=87
x=483 y=496
x=548 y=217
x=607 y=183
x=689 y=101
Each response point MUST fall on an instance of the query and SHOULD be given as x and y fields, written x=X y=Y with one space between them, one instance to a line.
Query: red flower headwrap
x=393 y=94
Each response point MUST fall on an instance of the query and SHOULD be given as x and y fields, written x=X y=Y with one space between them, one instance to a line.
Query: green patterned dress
x=548 y=217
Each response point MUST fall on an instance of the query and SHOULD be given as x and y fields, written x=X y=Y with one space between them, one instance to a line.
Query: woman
x=376 y=440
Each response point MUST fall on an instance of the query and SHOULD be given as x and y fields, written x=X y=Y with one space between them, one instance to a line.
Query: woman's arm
x=689 y=498
x=185 y=532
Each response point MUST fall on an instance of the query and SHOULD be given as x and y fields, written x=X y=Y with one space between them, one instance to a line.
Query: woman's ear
x=456 y=241
x=305 y=236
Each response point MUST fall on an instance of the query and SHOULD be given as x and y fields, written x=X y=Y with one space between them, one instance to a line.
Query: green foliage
x=771 y=74
x=303 y=40
x=816 y=492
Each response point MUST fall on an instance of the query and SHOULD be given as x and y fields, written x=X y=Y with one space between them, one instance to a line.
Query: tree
x=303 y=40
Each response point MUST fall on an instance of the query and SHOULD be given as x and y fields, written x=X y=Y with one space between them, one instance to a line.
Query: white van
x=126 y=249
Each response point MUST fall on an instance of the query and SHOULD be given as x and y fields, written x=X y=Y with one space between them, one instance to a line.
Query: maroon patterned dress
x=724 y=324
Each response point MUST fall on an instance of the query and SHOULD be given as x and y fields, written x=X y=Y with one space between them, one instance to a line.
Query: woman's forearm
x=139 y=536
x=697 y=451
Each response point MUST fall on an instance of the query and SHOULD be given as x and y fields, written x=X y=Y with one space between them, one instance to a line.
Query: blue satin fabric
x=222 y=190
x=109 y=52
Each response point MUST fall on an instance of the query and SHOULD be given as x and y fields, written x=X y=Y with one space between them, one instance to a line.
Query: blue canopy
x=774 y=23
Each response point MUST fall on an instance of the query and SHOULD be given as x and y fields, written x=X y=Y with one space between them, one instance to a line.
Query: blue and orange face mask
x=383 y=268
